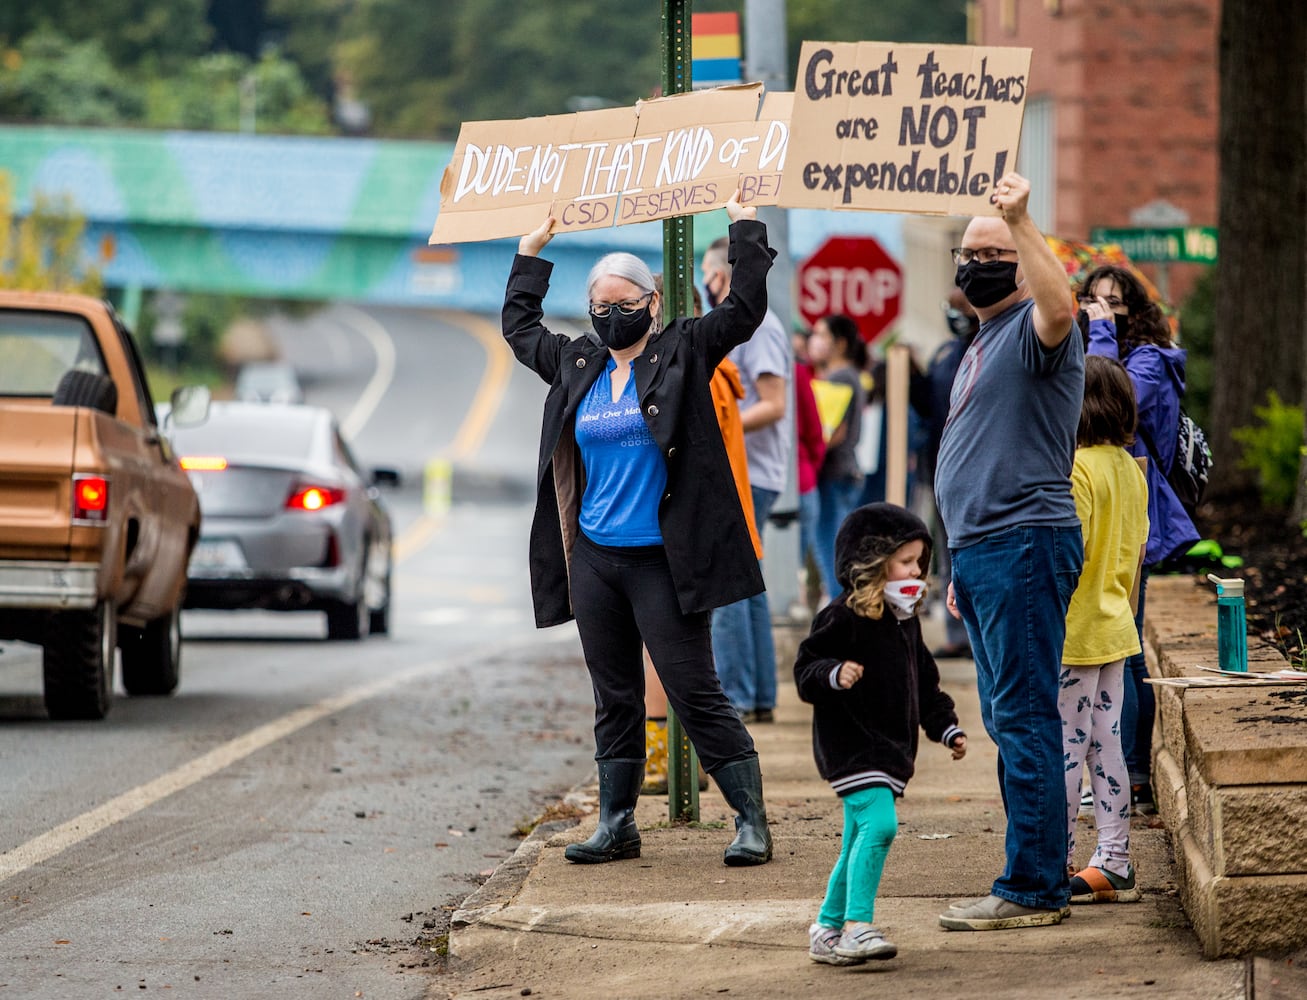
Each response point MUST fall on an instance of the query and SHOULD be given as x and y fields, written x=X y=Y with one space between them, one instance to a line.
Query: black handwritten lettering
x=821 y=83
x=856 y=128
x=969 y=86
x=939 y=126
x=943 y=176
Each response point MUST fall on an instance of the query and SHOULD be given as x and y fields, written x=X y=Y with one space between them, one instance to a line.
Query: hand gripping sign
x=661 y=158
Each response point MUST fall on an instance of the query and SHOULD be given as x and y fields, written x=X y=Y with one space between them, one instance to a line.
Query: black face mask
x=618 y=330
x=712 y=297
x=1122 y=326
x=985 y=284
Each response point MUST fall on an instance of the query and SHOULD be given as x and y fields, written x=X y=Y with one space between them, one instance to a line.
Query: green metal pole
x=678 y=298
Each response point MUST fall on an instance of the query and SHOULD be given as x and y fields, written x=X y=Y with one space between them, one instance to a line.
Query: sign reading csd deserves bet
x=904 y=128
x=661 y=158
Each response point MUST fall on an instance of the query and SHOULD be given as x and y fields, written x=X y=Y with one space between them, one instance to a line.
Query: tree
x=49 y=78
x=1261 y=296
x=43 y=250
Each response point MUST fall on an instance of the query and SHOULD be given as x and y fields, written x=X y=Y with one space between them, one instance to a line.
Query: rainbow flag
x=714 y=49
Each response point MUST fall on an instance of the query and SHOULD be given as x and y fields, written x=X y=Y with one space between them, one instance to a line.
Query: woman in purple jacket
x=1125 y=324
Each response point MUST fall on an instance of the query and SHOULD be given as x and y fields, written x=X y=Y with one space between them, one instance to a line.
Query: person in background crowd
x=839 y=355
x=742 y=631
x=929 y=396
x=726 y=393
x=1124 y=323
x=1112 y=502
x=638 y=531
x=865 y=669
x=811 y=452
x=1003 y=483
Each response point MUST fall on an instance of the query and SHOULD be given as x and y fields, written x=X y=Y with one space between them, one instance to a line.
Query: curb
x=503 y=885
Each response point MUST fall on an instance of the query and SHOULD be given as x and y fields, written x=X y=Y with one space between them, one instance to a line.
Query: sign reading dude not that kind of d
x=870 y=126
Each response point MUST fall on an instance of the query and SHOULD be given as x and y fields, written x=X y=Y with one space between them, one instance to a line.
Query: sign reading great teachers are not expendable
x=904 y=128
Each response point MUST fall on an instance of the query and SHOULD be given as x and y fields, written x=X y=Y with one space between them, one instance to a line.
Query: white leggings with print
x=1089 y=701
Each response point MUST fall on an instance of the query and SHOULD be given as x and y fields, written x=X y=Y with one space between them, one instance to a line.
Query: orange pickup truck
x=97 y=519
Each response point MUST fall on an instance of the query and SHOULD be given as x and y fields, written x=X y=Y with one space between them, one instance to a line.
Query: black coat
x=705 y=535
x=866 y=735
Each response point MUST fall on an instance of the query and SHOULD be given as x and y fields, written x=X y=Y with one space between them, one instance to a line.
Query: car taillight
x=314 y=497
x=90 y=498
x=203 y=463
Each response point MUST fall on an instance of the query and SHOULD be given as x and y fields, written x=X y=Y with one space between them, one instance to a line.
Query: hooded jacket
x=705 y=535
x=866 y=736
x=1158 y=377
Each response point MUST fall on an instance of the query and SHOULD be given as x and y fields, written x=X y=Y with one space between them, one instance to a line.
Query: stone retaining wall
x=1230 y=780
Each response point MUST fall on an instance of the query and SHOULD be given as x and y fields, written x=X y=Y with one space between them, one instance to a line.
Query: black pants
x=621 y=597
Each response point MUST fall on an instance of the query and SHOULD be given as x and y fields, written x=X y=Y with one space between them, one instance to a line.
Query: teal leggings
x=870 y=823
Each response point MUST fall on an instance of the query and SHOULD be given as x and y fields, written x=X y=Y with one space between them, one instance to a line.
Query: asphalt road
x=296 y=819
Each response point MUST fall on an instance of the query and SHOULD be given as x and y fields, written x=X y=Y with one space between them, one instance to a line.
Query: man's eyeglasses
x=986 y=255
x=628 y=308
x=1112 y=301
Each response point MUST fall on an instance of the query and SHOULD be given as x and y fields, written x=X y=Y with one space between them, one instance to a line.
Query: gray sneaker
x=821 y=946
x=993 y=913
x=966 y=904
x=862 y=941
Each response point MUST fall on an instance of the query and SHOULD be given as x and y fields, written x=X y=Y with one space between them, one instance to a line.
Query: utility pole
x=678 y=283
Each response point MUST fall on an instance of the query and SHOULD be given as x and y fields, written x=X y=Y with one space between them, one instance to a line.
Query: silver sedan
x=289 y=522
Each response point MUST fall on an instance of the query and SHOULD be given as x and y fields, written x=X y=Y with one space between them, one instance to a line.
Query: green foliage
x=43 y=250
x=54 y=79
x=49 y=78
x=1197 y=327
x=421 y=69
x=1273 y=448
x=226 y=92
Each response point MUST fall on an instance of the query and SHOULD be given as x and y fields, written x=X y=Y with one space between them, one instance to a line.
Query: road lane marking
x=384 y=348
x=476 y=423
x=490 y=392
x=121 y=807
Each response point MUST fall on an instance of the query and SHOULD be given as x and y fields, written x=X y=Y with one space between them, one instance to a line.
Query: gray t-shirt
x=767 y=352
x=1010 y=441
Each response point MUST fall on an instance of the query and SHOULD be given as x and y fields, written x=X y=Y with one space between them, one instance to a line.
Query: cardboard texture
x=671 y=156
x=904 y=128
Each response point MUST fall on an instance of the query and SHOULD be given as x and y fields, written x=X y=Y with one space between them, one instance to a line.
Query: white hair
x=621 y=265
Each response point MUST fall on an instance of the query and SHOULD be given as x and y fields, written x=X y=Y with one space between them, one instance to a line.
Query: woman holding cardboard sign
x=638 y=531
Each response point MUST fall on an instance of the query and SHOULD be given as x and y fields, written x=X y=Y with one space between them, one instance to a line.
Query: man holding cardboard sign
x=1004 y=492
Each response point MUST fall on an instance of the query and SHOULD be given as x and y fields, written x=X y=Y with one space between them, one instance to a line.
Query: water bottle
x=1231 y=626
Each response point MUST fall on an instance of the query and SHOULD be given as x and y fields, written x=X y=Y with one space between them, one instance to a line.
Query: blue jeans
x=1138 y=706
x=742 y=643
x=809 y=511
x=1013 y=589
x=838 y=498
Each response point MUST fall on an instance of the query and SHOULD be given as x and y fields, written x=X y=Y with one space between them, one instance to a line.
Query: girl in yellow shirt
x=1112 y=502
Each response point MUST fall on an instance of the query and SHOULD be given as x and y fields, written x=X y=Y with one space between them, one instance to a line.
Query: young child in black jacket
x=871 y=681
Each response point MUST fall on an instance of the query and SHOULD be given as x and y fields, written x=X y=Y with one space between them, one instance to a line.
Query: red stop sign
x=852 y=275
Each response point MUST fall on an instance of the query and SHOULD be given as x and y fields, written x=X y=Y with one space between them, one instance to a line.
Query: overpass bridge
x=311 y=217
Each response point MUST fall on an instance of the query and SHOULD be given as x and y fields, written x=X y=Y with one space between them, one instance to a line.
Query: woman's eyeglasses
x=628 y=308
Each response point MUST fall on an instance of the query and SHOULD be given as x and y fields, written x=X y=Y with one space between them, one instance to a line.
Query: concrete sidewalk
x=679 y=923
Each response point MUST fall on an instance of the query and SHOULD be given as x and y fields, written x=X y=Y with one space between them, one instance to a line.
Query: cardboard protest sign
x=904 y=128
x=670 y=156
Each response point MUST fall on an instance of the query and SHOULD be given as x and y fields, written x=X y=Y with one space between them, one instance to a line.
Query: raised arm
x=1055 y=310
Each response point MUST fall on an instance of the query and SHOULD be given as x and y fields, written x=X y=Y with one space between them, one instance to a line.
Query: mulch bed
x=1275 y=568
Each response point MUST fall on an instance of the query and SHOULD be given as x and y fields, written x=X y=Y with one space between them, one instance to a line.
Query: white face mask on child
x=903 y=596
